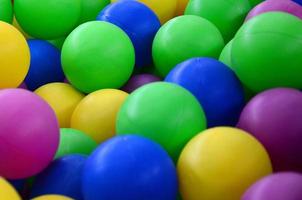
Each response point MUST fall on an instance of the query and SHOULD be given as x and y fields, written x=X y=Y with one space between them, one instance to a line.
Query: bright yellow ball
x=14 y=56
x=221 y=163
x=96 y=113
x=7 y=192
x=52 y=197
x=63 y=99
x=181 y=6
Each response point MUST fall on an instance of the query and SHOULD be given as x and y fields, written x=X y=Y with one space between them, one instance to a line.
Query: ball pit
x=7 y=192
x=52 y=197
x=89 y=71
x=158 y=100
x=182 y=38
x=133 y=168
x=139 y=80
x=229 y=161
x=29 y=134
x=62 y=98
x=273 y=117
x=13 y=45
x=6 y=11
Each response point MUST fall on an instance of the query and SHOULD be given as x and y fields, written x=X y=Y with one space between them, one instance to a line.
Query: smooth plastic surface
x=52 y=197
x=6 y=11
x=139 y=80
x=91 y=8
x=7 y=191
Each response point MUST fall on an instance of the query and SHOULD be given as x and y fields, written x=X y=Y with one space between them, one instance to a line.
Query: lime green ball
x=97 y=55
x=6 y=11
x=182 y=38
x=91 y=8
x=48 y=19
x=73 y=141
x=58 y=42
x=227 y=15
x=164 y=112
x=266 y=52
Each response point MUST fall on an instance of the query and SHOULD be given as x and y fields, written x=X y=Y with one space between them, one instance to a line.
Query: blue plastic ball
x=45 y=64
x=139 y=22
x=298 y=1
x=129 y=168
x=216 y=87
x=63 y=177
x=18 y=184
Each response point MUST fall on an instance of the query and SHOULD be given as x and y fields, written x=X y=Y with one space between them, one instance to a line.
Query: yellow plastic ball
x=14 y=56
x=52 y=197
x=63 y=99
x=164 y=9
x=7 y=192
x=181 y=6
x=96 y=113
x=17 y=26
x=221 y=163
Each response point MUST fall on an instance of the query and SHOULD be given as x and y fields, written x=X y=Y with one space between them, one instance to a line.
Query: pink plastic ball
x=29 y=134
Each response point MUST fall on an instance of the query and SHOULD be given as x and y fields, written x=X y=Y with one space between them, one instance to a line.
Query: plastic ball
x=273 y=117
x=58 y=42
x=287 y=6
x=255 y=2
x=227 y=16
x=229 y=160
x=63 y=176
x=216 y=87
x=29 y=134
x=280 y=186
x=96 y=113
x=13 y=45
x=97 y=55
x=272 y=50
x=141 y=30
x=7 y=192
x=73 y=141
x=18 y=184
x=45 y=64
x=62 y=98
x=181 y=6
x=132 y=168
x=52 y=197
x=298 y=1
x=17 y=26
x=163 y=112
x=6 y=11
x=91 y=8
x=48 y=19
x=139 y=80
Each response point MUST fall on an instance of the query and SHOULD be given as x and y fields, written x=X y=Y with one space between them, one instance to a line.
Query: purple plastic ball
x=281 y=186
x=139 y=80
x=274 y=117
x=287 y=6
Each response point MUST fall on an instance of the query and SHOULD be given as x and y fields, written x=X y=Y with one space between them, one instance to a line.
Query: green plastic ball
x=266 y=52
x=58 y=42
x=255 y=2
x=182 y=38
x=73 y=141
x=97 y=55
x=164 y=112
x=91 y=8
x=48 y=19
x=6 y=11
x=227 y=15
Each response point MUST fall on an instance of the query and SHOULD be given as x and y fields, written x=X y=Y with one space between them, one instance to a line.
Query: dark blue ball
x=298 y=1
x=63 y=176
x=139 y=22
x=45 y=64
x=18 y=184
x=129 y=168
x=216 y=87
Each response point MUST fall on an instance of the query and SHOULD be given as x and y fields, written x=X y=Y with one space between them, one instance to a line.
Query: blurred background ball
x=216 y=87
x=97 y=55
x=73 y=141
x=52 y=197
x=139 y=80
x=164 y=112
x=29 y=134
x=45 y=64
x=14 y=57
x=48 y=19
x=274 y=118
x=266 y=54
x=280 y=186
x=132 y=168
x=91 y=8
x=229 y=160
x=141 y=30
x=182 y=38
x=63 y=176
x=62 y=98
x=7 y=191
x=6 y=11
x=96 y=113
x=298 y=1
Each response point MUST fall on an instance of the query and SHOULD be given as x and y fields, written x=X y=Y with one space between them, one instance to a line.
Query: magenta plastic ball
x=139 y=80
x=29 y=134
x=274 y=117
x=287 y=6
x=280 y=186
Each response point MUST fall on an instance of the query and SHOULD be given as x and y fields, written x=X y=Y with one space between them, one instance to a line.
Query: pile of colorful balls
x=151 y=100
